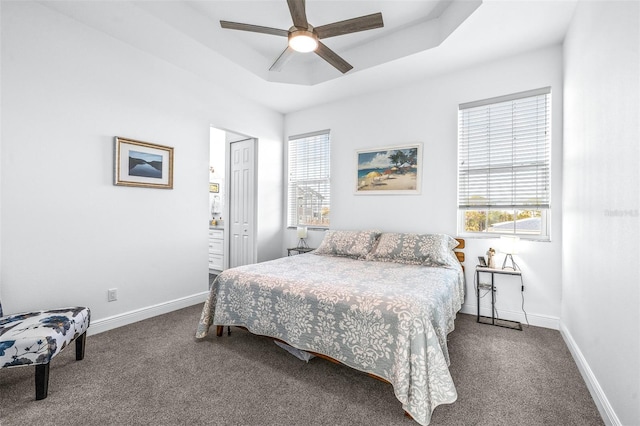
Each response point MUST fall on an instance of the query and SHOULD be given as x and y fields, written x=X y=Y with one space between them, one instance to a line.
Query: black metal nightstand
x=491 y=287
x=299 y=250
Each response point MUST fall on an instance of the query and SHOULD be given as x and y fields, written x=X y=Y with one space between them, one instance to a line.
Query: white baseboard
x=606 y=410
x=534 y=319
x=115 y=321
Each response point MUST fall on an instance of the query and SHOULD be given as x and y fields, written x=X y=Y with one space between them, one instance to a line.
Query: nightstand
x=299 y=250
x=491 y=287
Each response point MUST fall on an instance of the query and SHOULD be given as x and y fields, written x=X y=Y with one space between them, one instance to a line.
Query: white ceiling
x=420 y=39
x=409 y=27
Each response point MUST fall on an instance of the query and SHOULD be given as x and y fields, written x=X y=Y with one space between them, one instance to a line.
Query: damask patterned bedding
x=380 y=317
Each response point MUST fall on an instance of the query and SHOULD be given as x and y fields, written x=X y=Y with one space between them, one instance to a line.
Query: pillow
x=354 y=244
x=415 y=249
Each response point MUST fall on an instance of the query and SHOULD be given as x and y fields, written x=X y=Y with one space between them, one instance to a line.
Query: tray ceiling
x=420 y=38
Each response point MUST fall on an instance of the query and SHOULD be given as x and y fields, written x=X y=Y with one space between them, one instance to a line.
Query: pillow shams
x=354 y=244
x=415 y=249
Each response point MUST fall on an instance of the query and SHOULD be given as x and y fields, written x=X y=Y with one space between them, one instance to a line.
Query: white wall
x=68 y=234
x=427 y=113
x=270 y=210
x=600 y=306
x=0 y=160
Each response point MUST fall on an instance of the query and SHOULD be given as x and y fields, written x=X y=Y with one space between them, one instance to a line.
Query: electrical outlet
x=112 y=295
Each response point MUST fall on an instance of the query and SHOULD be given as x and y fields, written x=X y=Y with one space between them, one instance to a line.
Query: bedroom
x=68 y=88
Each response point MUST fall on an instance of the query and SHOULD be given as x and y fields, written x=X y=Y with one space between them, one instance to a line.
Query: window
x=309 y=198
x=504 y=165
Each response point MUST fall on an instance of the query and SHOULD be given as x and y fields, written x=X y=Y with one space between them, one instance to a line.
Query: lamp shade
x=509 y=244
x=302 y=232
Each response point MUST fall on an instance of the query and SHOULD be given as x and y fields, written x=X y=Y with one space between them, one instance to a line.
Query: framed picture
x=389 y=170
x=482 y=261
x=143 y=164
x=214 y=188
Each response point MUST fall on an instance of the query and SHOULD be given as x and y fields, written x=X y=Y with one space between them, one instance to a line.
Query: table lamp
x=509 y=246
x=302 y=234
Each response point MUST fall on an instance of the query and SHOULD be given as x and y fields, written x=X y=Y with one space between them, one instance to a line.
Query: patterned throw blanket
x=383 y=318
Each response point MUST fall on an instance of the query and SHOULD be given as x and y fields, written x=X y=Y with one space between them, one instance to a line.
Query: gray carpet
x=155 y=372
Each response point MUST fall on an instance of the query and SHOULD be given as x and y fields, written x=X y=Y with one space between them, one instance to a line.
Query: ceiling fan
x=303 y=37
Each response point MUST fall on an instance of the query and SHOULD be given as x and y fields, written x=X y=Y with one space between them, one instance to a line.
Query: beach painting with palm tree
x=389 y=170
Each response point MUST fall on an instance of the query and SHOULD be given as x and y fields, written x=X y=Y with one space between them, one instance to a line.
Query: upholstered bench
x=34 y=338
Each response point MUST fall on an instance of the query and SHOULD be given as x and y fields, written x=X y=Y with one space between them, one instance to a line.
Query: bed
x=381 y=303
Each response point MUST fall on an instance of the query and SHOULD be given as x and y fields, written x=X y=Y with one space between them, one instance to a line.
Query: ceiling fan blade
x=253 y=28
x=354 y=25
x=282 y=59
x=332 y=57
x=298 y=13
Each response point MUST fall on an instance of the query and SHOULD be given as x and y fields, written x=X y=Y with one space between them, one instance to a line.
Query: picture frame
x=482 y=262
x=389 y=170
x=214 y=188
x=142 y=164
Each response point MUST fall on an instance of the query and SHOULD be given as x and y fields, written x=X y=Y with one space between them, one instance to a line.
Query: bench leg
x=42 y=381
x=80 y=343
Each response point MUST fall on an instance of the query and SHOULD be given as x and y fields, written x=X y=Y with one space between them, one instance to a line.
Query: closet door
x=242 y=213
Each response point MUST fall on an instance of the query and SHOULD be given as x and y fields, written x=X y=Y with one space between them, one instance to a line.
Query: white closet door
x=242 y=204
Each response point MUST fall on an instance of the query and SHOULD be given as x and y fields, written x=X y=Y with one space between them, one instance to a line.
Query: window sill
x=523 y=237
x=309 y=228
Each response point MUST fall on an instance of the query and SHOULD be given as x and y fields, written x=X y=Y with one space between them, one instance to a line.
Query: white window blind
x=504 y=152
x=309 y=188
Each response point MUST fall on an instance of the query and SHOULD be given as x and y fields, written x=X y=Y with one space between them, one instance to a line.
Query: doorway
x=232 y=173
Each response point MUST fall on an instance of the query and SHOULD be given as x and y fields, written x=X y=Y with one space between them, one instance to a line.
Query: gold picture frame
x=142 y=164
x=214 y=188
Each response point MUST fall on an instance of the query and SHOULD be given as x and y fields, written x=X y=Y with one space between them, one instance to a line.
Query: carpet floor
x=155 y=372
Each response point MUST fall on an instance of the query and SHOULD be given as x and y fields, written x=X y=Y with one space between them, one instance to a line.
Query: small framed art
x=143 y=164
x=214 y=188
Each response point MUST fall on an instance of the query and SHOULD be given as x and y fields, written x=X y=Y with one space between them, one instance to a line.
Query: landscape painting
x=392 y=170
x=143 y=164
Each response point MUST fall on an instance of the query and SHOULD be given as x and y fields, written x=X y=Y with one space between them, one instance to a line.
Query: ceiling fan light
x=303 y=41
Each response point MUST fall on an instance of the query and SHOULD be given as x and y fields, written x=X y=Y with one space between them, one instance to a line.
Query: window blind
x=309 y=189
x=504 y=152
